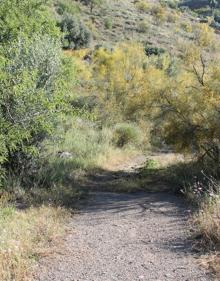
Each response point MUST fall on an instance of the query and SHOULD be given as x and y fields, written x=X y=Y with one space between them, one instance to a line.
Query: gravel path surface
x=126 y=237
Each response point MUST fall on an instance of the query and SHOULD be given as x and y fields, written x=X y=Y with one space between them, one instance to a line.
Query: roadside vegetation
x=80 y=94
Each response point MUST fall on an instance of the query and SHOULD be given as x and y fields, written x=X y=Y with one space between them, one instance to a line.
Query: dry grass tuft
x=25 y=236
x=208 y=226
x=208 y=222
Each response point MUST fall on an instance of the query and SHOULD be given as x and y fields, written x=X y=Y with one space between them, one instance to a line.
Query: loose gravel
x=126 y=237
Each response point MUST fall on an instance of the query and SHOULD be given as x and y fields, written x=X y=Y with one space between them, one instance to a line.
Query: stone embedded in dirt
x=64 y=154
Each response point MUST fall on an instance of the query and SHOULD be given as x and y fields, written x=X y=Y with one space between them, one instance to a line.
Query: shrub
x=108 y=23
x=172 y=17
x=125 y=134
x=93 y=3
x=143 y=27
x=76 y=34
x=159 y=13
x=187 y=27
x=150 y=50
x=143 y=6
x=173 y=4
x=67 y=6
x=203 y=34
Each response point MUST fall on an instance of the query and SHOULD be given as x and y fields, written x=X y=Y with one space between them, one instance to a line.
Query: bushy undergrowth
x=79 y=147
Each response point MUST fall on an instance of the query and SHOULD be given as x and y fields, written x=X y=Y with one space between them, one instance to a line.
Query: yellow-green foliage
x=129 y=85
x=143 y=26
x=191 y=53
x=173 y=17
x=143 y=5
x=187 y=27
x=125 y=77
x=192 y=114
x=203 y=34
x=159 y=13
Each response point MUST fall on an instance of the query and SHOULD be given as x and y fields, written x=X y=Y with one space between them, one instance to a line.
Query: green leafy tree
x=93 y=3
x=76 y=34
x=32 y=84
x=30 y=97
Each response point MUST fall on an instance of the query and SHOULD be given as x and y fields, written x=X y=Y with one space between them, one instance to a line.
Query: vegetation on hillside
x=87 y=84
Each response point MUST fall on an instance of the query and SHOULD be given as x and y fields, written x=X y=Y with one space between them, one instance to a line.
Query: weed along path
x=125 y=237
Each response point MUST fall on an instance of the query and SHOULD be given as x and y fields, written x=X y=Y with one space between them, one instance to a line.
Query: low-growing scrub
x=199 y=185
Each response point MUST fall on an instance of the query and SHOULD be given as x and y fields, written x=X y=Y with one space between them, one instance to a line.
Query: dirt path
x=126 y=237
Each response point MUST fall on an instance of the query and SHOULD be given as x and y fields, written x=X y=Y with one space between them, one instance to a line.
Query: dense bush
x=76 y=34
x=32 y=84
x=31 y=74
x=151 y=50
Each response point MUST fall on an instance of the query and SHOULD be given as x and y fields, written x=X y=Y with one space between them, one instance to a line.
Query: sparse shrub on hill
x=143 y=6
x=67 y=6
x=76 y=34
x=151 y=50
x=203 y=34
x=173 y=4
x=143 y=26
x=159 y=13
x=108 y=23
x=172 y=17
x=93 y=3
x=187 y=27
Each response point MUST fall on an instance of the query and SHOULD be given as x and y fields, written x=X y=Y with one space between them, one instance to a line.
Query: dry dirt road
x=126 y=237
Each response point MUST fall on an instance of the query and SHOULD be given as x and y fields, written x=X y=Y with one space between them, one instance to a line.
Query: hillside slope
x=144 y=21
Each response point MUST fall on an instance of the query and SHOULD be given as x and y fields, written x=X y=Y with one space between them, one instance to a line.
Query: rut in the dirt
x=126 y=237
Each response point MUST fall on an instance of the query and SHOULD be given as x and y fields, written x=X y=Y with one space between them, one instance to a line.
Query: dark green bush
x=151 y=50
x=76 y=34
x=108 y=23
